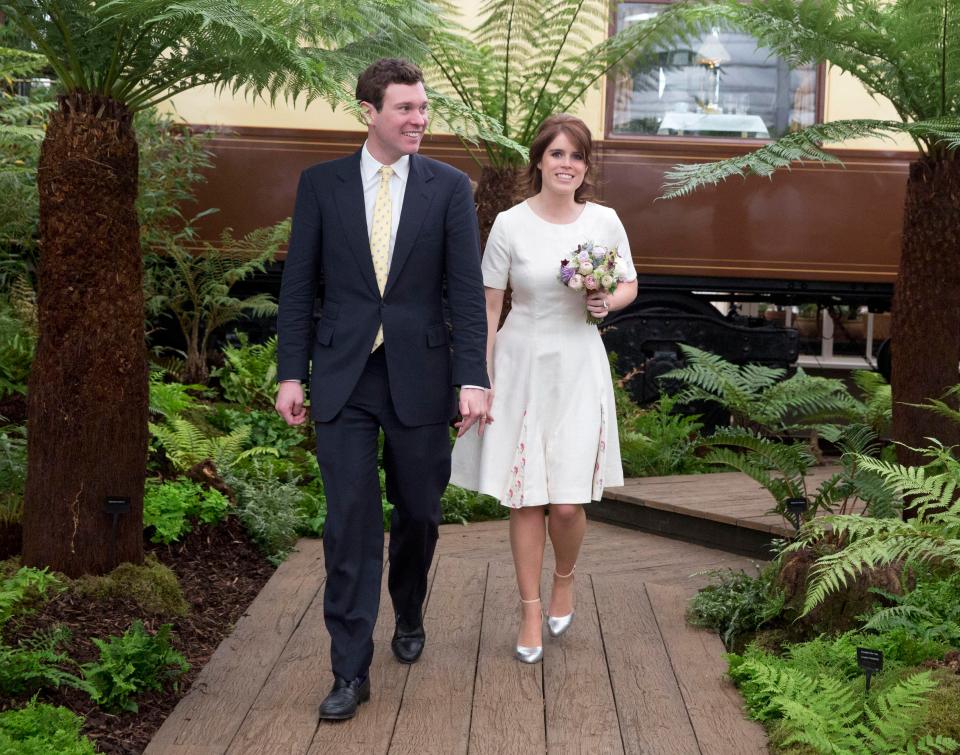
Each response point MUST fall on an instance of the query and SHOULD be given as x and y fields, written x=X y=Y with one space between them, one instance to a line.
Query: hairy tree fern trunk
x=926 y=305
x=87 y=395
x=499 y=189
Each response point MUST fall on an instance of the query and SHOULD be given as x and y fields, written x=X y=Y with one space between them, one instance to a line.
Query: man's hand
x=290 y=403
x=473 y=408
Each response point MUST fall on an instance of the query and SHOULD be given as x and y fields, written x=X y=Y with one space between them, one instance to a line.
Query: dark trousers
x=416 y=461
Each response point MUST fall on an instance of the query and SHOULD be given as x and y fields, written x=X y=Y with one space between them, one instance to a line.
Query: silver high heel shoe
x=529 y=654
x=557 y=625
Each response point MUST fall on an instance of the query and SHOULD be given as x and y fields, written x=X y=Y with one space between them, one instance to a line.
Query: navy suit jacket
x=437 y=244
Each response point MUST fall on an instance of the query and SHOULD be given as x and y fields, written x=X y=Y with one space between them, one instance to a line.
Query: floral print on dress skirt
x=601 y=460
x=514 y=495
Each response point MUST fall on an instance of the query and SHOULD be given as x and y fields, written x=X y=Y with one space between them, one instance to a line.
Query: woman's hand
x=598 y=304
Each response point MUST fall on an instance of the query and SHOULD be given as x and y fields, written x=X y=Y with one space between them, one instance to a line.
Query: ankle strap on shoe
x=564 y=576
x=532 y=600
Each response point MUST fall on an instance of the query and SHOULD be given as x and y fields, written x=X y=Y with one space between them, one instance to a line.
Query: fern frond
x=799 y=146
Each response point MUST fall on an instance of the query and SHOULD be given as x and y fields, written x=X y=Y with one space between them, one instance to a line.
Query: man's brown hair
x=578 y=133
x=375 y=79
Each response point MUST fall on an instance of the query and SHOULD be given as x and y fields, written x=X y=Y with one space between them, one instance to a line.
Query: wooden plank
x=580 y=709
x=652 y=714
x=713 y=703
x=207 y=719
x=370 y=731
x=435 y=713
x=508 y=698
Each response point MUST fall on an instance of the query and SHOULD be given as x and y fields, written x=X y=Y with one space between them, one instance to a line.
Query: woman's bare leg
x=527 y=540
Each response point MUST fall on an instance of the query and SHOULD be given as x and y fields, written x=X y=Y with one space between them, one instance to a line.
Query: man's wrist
x=476 y=387
x=291 y=380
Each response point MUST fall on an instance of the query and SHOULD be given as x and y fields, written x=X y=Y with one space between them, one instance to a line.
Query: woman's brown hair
x=577 y=131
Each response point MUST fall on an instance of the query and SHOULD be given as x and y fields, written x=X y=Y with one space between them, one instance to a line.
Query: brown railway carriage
x=816 y=233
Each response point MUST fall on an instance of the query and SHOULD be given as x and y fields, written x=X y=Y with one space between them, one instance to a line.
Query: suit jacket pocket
x=325 y=333
x=437 y=335
x=330 y=310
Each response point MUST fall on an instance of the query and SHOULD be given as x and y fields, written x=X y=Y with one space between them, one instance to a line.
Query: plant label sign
x=870 y=661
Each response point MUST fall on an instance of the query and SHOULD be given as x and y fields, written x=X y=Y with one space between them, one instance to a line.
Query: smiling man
x=387 y=231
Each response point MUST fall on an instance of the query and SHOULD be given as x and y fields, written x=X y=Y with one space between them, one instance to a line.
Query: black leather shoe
x=408 y=641
x=344 y=698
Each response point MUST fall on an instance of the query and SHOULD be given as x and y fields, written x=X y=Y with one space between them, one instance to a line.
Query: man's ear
x=368 y=110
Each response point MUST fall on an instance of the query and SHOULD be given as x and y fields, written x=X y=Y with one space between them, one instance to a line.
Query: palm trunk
x=926 y=305
x=498 y=190
x=87 y=394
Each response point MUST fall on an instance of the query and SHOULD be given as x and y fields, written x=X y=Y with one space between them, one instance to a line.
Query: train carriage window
x=724 y=85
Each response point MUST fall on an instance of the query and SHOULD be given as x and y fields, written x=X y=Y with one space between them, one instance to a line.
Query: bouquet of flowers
x=593 y=267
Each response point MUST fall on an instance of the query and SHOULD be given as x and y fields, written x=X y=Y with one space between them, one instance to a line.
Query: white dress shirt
x=370 y=177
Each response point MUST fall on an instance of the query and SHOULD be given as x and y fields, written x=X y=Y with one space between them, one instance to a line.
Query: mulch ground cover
x=220 y=572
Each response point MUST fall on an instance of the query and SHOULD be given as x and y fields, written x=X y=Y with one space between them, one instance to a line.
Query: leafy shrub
x=169 y=507
x=172 y=399
x=23 y=588
x=269 y=508
x=153 y=586
x=133 y=663
x=737 y=605
x=758 y=397
x=659 y=442
x=13 y=472
x=459 y=506
x=36 y=663
x=930 y=611
x=249 y=377
x=41 y=729
x=829 y=714
x=17 y=345
x=186 y=444
x=267 y=428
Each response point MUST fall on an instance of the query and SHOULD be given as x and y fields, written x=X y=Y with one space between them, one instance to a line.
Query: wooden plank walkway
x=629 y=677
x=726 y=509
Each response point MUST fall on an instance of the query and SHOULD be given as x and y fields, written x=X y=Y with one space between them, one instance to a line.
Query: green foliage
x=13 y=472
x=172 y=399
x=23 y=589
x=153 y=586
x=527 y=60
x=193 y=284
x=267 y=429
x=272 y=509
x=660 y=441
x=905 y=51
x=18 y=340
x=827 y=712
x=133 y=663
x=37 y=663
x=930 y=611
x=170 y=506
x=737 y=605
x=932 y=536
x=249 y=376
x=41 y=729
x=186 y=444
x=459 y=506
x=759 y=397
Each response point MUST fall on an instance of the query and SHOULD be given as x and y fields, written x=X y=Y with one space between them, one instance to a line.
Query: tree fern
x=527 y=60
x=907 y=51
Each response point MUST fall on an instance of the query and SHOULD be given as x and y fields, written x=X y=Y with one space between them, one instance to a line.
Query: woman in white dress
x=554 y=443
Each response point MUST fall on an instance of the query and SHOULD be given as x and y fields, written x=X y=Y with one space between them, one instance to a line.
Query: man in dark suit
x=387 y=229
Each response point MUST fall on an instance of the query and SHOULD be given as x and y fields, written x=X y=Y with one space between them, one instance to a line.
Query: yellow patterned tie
x=380 y=237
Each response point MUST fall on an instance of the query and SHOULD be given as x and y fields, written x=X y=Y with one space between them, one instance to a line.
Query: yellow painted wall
x=845 y=98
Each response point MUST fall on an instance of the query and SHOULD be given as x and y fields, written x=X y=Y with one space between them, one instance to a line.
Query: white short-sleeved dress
x=554 y=435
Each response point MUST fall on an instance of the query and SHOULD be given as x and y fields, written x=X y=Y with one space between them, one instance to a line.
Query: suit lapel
x=416 y=202
x=349 y=199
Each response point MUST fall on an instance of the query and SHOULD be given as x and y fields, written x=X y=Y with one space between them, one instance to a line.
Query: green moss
x=943 y=711
x=153 y=586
